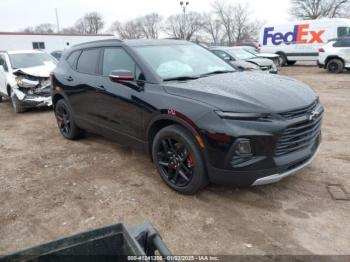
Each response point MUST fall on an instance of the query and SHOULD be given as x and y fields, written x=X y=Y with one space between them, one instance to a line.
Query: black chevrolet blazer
x=199 y=119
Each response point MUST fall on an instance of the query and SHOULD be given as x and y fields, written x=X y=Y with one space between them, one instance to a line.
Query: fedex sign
x=300 y=35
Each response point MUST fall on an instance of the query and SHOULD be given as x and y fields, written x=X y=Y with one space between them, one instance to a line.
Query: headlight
x=252 y=67
x=26 y=83
x=242 y=116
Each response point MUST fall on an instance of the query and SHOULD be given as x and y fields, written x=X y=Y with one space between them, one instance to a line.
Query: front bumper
x=33 y=100
x=278 y=177
x=265 y=176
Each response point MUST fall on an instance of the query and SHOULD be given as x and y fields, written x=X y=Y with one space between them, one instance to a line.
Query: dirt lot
x=51 y=187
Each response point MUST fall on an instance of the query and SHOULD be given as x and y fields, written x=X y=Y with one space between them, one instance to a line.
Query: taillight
x=321 y=50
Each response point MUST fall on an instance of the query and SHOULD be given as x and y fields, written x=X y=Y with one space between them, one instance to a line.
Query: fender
x=177 y=117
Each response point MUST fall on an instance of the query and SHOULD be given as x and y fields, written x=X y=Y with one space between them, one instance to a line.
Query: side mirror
x=2 y=69
x=121 y=75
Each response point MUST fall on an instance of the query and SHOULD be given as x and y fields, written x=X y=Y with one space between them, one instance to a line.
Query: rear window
x=88 y=61
x=72 y=59
x=343 y=31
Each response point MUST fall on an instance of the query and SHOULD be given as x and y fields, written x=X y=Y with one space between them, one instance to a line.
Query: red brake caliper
x=190 y=161
x=60 y=122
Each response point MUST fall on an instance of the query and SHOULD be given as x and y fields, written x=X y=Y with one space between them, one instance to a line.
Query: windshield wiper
x=181 y=78
x=217 y=72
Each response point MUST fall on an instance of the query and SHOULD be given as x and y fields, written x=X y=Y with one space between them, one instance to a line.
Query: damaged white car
x=25 y=78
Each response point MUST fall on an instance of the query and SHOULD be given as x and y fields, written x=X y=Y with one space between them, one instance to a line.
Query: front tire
x=291 y=63
x=65 y=121
x=335 y=66
x=179 y=160
x=0 y=99
x=16 y=103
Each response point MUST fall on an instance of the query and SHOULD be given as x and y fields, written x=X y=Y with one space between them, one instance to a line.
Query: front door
x=120 y=105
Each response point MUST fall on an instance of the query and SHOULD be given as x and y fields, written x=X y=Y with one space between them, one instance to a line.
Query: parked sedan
x=199 y=119
x=236 y=55
x=274 y=57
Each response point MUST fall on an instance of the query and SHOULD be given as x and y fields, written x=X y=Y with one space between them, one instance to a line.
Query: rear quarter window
x=88 y=61
x=72 y=58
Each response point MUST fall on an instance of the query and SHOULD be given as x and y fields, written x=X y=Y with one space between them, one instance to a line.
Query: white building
x=47 y=42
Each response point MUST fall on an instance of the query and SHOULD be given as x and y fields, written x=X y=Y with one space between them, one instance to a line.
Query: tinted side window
x=343 y=31
x=3 y=63
x=72 y=59
x=88 y=61
x=342 y=43
x=117 y=59
x=347 y=42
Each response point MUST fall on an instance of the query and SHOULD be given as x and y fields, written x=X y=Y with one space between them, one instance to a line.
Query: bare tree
x=91 y=23
x=45 y=28
x=175 y=26
x=244 y=29
x=94 y=23
x=129 y=30
x=213 y=27
x=150 y=25
x=225 y=13
x=235 y=20
x=147 y=26
x=314 y=9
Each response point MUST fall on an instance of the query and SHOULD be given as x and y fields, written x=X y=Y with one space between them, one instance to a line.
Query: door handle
x=69 y=78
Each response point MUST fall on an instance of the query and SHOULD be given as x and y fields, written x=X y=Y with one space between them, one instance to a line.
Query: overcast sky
x=18 y=14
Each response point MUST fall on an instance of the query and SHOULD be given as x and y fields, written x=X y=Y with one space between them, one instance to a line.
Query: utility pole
x=184 y=6
x=57 y=21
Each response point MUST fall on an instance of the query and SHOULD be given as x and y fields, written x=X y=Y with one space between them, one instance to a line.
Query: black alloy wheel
x=176 y=161
x=65 y=121
x=179 y=160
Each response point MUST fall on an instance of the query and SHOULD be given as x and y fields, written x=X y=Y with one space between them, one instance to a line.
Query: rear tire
x=0 y=99
x=335 y=66
x=16 y=103
x=65 y=121
x=291 y=63
x=179 y=160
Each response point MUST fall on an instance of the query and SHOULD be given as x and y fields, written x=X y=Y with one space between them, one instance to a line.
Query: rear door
x=81 y=83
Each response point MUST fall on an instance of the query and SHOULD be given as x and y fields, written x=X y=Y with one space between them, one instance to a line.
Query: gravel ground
x=51 y=187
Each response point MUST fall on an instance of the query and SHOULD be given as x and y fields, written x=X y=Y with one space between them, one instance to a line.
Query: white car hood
x=38 y=71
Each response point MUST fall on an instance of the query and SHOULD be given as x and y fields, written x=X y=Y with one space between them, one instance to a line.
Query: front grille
x=301 y=111
x=299 y=136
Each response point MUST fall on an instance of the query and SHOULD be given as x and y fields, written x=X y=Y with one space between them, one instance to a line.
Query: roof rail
x=99 y=41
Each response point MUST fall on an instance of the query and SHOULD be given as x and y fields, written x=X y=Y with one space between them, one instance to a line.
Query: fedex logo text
x=299 y=35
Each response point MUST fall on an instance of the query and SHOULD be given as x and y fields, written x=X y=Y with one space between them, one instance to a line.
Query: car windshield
x=240 y=54
x=251 y=50
x=187 y=60
x=25 y=60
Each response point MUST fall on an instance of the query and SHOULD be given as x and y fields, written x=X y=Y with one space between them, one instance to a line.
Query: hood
x=267 y=55
x=36 y=71
x=244 y=64
x=246 y=92
x=260 y=61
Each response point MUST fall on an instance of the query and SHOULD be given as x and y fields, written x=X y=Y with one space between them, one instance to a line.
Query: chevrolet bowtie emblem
x=313 y=115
